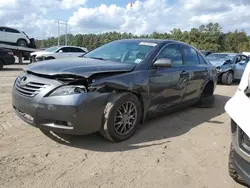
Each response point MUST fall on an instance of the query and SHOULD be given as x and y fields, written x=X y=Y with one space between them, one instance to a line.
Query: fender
x=136 y=84
x=23 y=39
x=238 y=106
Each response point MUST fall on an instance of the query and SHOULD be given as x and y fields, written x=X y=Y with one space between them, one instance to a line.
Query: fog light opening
x=64 y=123
x=245 y=141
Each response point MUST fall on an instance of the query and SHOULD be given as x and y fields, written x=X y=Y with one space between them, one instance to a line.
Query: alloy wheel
x=125 y=118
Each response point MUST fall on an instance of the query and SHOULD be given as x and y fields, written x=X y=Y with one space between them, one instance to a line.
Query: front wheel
x=227 y=78
x=121 y=117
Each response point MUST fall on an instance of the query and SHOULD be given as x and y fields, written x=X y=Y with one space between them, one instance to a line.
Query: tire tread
x=108 y=110
x=232 y=172
x=224 y=78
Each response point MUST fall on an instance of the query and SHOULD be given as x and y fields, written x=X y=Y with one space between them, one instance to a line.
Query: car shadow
x=157 y=131
x=234 y=83
x=11 y=69
x=24 y=63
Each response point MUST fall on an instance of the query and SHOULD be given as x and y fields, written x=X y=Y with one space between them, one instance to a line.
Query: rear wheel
x=22 y=43
x=232 y=172
x=227 y=78
x=207 y=98
x=121 y=117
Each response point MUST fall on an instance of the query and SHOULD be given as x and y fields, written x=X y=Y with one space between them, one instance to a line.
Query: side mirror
x=163 y=62
x=60 y=51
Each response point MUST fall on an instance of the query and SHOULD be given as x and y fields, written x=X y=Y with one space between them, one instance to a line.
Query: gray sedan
x=230 y=66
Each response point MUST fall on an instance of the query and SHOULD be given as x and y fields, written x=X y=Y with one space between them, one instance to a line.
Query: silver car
x=230 y=66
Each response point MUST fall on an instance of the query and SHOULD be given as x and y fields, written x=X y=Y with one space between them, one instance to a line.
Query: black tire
x=22 y=43
x=1 y=64
x=108 y=129
x=207 y=98
x=227 y=78
x=232 y=172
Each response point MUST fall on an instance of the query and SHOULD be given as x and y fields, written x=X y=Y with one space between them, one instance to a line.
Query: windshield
x=221 y=56
x=51 y=49
x=122 y=51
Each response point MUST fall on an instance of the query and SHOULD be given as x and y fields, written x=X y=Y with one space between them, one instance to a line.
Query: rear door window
x=190 y=56
x=202 y=60
x=65 y=49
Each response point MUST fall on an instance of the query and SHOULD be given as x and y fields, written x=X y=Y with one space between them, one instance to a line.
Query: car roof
x=158 y=41
x=4 y=49
x=60 y=46
x=10 y=28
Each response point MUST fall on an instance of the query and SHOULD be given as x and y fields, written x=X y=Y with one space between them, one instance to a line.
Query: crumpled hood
x=217 y=62
x=78 y=66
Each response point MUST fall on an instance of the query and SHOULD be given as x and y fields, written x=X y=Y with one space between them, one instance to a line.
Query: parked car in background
x=6 y=57
x=114 y=87
x=238 y=108
x=15 y=37
x=230 y=66
x=33 y=55
x=58 y=52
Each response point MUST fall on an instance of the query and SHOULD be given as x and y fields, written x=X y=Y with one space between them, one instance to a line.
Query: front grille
x=30 y=89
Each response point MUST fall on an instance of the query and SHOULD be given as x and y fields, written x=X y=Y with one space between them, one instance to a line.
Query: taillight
x=10 y=53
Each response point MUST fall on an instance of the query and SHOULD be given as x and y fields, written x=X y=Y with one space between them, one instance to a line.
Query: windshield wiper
x=99 y=58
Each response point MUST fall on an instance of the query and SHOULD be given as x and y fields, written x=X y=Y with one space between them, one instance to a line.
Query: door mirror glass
x=60 y=51
x=163 y=62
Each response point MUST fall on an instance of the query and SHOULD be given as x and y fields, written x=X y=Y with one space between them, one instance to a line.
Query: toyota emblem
x=23 y=81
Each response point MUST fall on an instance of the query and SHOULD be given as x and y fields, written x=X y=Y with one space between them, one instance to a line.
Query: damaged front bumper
x=241 y=154
x=71 y=114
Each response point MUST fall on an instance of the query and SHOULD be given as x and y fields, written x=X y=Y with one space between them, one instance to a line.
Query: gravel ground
x=185 y=149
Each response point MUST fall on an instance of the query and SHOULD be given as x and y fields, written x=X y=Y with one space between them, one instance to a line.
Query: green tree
x=205 y=37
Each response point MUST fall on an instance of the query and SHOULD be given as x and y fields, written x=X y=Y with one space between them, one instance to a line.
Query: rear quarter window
x=202 y=60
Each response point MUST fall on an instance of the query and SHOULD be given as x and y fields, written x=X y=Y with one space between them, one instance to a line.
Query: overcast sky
x=37 y=17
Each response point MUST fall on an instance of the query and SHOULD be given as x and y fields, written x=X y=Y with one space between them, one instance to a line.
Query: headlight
x=245 y=142
x=69 y=90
